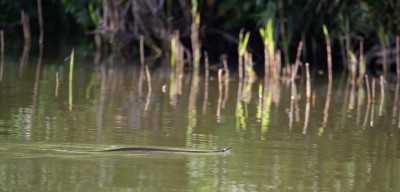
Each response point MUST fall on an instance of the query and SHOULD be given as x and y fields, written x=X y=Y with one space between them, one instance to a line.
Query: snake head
x=226 y=149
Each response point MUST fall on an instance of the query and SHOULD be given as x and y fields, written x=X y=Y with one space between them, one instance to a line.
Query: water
x=46 y=141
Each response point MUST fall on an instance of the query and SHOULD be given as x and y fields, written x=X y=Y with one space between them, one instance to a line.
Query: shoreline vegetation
x=179 y=31
x=119 y=26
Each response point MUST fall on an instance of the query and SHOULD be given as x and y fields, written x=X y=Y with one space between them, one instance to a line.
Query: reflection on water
x=340 y=137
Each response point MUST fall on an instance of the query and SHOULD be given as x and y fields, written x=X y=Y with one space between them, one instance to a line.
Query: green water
x=45 y=139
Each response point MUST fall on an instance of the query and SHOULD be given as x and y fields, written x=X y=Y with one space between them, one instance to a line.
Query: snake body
x=165 y=150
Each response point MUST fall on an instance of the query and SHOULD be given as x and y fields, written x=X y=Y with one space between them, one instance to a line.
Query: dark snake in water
x=165 y=150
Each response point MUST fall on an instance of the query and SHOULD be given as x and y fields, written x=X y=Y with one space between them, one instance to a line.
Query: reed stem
x=328 y=52
x=71 y=79
x=308 y=102
x=2 y=47
x=382 y=95
x=206 y=78
x=40 y=17
x=149 y=89
x=57 y=85
x=26 y=27
x=362 y=64
x=297 y=62
x=308 y=88
x=398 y=58
x=141 y=50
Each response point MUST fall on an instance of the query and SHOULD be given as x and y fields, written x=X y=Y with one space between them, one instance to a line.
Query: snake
x=165 y=150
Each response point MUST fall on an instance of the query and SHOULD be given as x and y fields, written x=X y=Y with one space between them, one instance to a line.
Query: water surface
x=342 y=143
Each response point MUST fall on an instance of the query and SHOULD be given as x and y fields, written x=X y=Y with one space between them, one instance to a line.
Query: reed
x=195 y=40
x=57 y=85
x=2 y=44
x=297 y=62
x=250 y=74
x=249 y=78
x=308 y=101
x=141 y=47
x=41 y=23
x=26 y=28
x=267 y=34
x=226 y=80
x=192 y=105
x=398 y=58
x=396 y=102
x=149 y=87
x=369 y=100
x=328 y=52
x=206 y=80
x=141 y=80
x=326 y=108
x=372 y=115
x=260 y=102
x=266 y=109
x=2 y=47
x=384 y=41
x=293 y=103
x=71 y=79
x=220 y=93
x=24 y=58
x=369 y=96
x=308 y=86
x=173 y=48
x=382 y=95
x=352 y=97
x=362 y=64
x=224 y=59
x=243 y=42
x=360 y=102
x=353 y=65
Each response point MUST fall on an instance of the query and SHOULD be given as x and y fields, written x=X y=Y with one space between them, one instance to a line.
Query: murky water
x=48 y=131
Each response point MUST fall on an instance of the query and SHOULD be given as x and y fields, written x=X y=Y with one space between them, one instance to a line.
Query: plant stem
x=40 y=15
x=71 y=78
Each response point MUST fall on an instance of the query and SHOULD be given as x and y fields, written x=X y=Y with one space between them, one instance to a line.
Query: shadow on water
x=291 y=134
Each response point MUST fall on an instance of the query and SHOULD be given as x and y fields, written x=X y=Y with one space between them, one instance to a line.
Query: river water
x=50 y=126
